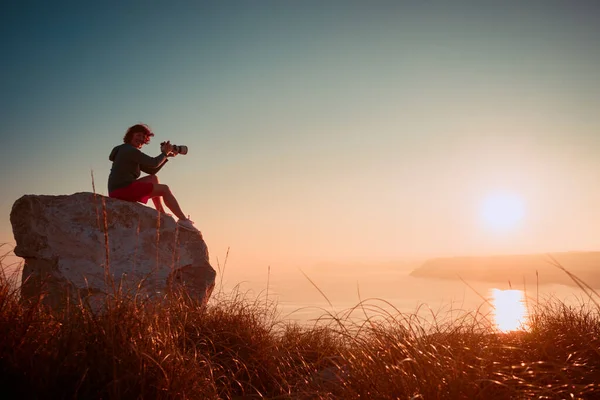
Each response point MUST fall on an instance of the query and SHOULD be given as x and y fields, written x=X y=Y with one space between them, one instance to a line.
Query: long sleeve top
x=128 y=163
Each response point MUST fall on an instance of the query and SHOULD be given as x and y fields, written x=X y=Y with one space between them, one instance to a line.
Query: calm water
x=386 y=292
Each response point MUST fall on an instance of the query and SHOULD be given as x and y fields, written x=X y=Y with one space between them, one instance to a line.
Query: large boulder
x=87 y=246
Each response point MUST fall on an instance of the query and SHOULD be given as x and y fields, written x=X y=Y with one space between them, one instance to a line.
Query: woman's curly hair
x=135 y=129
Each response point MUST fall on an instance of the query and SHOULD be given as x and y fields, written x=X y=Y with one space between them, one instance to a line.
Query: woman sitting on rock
x=124 y=181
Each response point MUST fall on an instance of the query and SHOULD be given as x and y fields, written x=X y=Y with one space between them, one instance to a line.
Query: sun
x=502 y=211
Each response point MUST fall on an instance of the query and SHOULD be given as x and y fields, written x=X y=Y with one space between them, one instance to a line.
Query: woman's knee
x=161 y=190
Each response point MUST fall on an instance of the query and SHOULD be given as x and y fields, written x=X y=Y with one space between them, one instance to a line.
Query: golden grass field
x=237 y=347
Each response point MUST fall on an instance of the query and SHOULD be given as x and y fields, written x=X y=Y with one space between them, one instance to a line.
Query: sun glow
x=510 y=312
x=502 y=212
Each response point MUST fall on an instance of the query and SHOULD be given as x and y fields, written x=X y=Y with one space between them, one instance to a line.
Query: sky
x=319 y=131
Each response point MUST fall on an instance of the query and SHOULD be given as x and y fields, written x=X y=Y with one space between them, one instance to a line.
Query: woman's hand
x=166 y=148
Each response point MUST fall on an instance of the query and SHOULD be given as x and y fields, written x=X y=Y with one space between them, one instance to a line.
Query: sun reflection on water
x=510 y=311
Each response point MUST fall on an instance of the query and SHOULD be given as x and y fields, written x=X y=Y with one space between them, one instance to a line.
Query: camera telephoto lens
x=180 y=149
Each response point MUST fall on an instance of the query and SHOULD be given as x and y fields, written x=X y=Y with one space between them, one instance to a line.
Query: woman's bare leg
x=170 y=201
x=156 y=199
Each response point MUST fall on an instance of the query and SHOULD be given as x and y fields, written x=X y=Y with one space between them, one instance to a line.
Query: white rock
x=63 y=241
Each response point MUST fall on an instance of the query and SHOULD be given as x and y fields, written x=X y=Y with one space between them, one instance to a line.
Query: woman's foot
x=187 y=224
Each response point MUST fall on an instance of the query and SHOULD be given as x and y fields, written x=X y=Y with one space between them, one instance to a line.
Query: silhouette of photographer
x=124 y=181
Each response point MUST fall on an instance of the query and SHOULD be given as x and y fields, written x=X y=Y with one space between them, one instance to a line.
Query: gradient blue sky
x=318 y=130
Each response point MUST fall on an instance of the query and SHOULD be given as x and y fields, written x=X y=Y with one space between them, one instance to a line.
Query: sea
x=355 y=294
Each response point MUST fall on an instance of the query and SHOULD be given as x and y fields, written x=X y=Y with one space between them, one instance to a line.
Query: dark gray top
x=128 y=163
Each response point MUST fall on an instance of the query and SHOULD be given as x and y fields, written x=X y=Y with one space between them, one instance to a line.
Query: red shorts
x=137 y=191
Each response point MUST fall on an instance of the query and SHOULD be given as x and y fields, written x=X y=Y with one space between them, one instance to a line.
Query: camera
x=179 y=149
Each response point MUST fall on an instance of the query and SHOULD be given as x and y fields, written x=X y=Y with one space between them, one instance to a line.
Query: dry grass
x=236 y=347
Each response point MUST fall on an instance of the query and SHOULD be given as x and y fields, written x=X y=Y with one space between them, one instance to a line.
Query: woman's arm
x=152 y=170
x=145 y=160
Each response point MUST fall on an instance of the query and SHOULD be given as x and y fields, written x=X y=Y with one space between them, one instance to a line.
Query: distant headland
x=516 y=269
